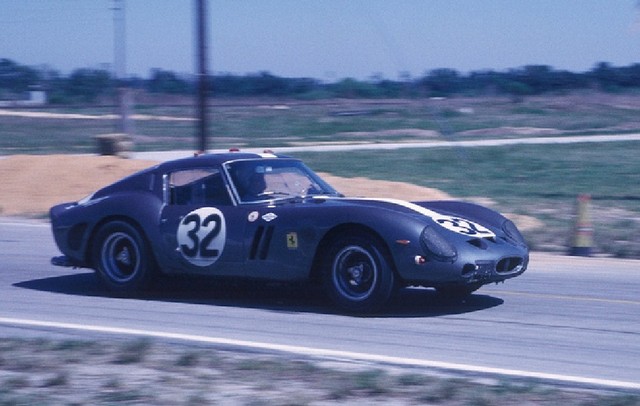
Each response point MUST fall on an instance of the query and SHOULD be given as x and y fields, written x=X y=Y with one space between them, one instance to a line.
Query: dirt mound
x=32 y=184
x=365 y=187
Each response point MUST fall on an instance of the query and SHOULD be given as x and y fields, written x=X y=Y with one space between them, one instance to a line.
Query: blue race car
x=269 y=217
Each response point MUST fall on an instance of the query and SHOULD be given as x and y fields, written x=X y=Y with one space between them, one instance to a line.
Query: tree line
x=88 y=85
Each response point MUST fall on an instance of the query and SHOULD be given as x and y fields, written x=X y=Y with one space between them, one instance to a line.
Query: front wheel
x=357 y=276
x=122 y=259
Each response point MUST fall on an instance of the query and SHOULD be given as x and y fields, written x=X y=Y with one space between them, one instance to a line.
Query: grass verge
x=74 y=372
x=277 y=123
x=541 y=181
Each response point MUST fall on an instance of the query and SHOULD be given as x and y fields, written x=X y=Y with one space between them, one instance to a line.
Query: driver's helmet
x=250 y=180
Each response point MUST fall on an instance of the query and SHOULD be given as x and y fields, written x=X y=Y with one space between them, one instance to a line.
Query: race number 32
x=201 y=236
x=463 y=226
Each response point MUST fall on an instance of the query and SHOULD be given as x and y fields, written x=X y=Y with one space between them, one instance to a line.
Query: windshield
x=257 y=180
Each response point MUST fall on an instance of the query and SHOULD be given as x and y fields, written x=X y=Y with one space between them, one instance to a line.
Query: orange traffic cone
x=582 y=231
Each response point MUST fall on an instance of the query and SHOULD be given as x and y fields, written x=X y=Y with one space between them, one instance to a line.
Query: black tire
x=122 y=259
x=357 y=276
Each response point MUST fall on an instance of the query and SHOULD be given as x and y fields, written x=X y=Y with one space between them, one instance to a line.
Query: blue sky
x=326 y=39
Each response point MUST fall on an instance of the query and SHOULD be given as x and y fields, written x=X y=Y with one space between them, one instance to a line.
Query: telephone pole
x=119 y=55
x=201 y=19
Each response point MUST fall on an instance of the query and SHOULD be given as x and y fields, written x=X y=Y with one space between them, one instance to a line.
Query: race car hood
x=459 y=217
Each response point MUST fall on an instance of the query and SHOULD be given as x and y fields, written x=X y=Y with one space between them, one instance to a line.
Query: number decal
x=463 y=226
x=205 y=251
x=192 y=234
x=202 y=235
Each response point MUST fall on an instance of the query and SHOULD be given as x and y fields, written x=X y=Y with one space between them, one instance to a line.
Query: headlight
x=512 y=232
x=437 y=245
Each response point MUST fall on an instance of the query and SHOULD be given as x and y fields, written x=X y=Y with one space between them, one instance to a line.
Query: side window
x=197 y=187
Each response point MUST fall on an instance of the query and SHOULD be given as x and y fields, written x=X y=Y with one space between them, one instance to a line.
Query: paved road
x=436 y=143
x=575 y=319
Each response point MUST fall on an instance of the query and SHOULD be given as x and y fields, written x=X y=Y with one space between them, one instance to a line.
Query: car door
x=202 y=231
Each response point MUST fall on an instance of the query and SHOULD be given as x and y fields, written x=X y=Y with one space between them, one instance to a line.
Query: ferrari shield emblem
x=292 y=241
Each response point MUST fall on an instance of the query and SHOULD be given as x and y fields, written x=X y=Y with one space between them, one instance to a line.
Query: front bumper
x=475 y=263
x=489 y=271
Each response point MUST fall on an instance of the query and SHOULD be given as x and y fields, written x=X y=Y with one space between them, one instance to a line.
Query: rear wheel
x=357 y=276
x=122 y=258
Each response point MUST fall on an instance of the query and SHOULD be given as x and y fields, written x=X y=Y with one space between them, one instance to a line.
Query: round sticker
x=202 y=235
x=463 y=226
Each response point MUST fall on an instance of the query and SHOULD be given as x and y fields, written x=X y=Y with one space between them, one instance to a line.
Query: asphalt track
x=566 y=319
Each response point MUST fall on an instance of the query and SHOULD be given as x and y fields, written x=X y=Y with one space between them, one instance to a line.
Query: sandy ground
x=32 y=184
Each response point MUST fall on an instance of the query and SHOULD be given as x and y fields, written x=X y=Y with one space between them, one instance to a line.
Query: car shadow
x=294 y=298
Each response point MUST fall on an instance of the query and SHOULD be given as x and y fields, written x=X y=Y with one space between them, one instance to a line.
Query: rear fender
x=141 y=210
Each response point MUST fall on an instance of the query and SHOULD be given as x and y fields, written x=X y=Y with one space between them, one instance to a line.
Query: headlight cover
x=438 y=246
x=512 y=233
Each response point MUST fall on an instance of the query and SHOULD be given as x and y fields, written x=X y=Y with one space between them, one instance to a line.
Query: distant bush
x=90 y=85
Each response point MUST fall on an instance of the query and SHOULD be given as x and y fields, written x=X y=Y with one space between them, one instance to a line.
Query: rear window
x=197 y=187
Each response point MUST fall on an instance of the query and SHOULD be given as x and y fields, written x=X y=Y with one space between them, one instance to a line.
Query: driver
x=256 y=185
x=251 y=183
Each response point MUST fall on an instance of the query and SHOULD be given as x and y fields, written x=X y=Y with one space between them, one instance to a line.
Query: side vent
x=261 y=243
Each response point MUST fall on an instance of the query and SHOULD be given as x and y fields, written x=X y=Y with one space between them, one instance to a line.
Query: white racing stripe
x=325 y=353
x=452 y=223
x=408 y=205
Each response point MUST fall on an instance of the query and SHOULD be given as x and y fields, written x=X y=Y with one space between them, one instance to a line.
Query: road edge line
x=325 y=353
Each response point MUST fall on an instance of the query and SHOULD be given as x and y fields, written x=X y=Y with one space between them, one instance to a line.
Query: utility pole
x=201 y=18
x=119 y=55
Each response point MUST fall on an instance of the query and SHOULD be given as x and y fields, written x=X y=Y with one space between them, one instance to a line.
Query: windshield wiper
x=272 y=193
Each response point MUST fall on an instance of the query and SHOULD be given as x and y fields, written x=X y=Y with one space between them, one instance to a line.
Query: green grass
x=256 y=123
x=535 y=180
x=501 y=173
x=541 y=181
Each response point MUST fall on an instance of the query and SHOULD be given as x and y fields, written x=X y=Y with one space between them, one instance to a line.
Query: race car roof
x=212 y=160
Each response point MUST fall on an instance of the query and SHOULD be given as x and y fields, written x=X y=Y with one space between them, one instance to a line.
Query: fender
x=88 y=217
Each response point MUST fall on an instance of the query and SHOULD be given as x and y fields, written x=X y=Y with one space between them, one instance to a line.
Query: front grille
x=509 y=264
